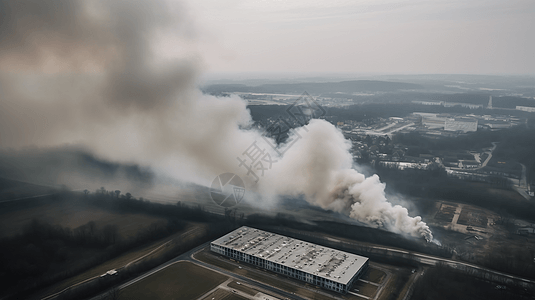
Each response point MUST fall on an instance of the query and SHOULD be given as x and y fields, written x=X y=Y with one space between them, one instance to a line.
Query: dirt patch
x=446 y=212
x=473 y=217
x=363 y=288
x=182 y=280
x=374 y=275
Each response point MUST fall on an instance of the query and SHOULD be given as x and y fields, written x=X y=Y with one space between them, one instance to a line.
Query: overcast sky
x=474 y=37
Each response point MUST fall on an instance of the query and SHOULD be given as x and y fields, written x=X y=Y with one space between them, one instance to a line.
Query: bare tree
x=113 y=294
x=92 y=228
x=110 y=233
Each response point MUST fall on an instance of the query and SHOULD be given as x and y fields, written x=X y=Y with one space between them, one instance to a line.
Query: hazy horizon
x=377 y=37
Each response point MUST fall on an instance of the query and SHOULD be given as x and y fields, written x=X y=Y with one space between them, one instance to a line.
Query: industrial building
x=526 y=108
x=314 y=264
x=458 y=124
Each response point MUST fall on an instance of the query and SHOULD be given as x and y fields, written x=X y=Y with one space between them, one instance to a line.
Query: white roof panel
x=325 y=262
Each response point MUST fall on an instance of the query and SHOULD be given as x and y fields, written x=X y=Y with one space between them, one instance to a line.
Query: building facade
x=314 y=264
x=464 y=125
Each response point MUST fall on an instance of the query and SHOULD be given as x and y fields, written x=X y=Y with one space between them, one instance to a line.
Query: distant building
x=404 y=165
x=429 y=102
x=464 y=125
x=468 y=164
x=467 y=105
x=432 y=121
x=314 y=264
x=526 y=108
x=498 y=124
x=448 y=104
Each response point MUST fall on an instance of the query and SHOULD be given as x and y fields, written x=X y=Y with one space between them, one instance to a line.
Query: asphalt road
x=433 y=260
x=188 y=256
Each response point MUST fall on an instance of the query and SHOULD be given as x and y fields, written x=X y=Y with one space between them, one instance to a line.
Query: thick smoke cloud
x=319 y=166
x=86 y=73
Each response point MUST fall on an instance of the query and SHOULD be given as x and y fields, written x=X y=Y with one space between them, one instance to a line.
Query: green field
x=182 y=280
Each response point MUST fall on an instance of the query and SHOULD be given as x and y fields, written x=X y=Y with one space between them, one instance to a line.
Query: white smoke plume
x=319 y=166
x=91 y=77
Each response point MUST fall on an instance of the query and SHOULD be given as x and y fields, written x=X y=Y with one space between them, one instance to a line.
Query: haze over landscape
x=394 y=123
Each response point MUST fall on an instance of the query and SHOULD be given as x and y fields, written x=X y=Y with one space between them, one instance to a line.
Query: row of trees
x=443 y=282
x=113 y=193
x=86 y=235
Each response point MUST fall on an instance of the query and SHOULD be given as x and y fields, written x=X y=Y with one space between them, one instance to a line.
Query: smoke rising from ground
x=86 y=73
x=319 y=166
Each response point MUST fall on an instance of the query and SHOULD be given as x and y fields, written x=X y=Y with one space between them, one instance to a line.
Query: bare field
x=72 y=214
x=374 y=275
x=365 y=289
x=473 y=217
x=446 y=212
x=182 y=280
x=13 y=189
x=397 y=285
x=152 y=250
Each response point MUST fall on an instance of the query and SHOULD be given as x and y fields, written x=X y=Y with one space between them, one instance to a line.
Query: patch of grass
x=182 y=280
x=374 y=275
x=365 y=289
x=395 y=285
x=473 y=217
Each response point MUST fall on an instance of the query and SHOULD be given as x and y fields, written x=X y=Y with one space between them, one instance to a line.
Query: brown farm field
x=183 y=280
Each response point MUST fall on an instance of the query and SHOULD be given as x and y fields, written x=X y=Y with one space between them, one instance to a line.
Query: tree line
x=444 y=282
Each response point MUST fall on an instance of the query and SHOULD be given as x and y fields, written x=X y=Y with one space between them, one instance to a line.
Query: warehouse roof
x=325 y=262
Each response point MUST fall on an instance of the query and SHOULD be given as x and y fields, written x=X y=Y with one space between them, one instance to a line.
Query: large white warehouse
x=322 y=266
